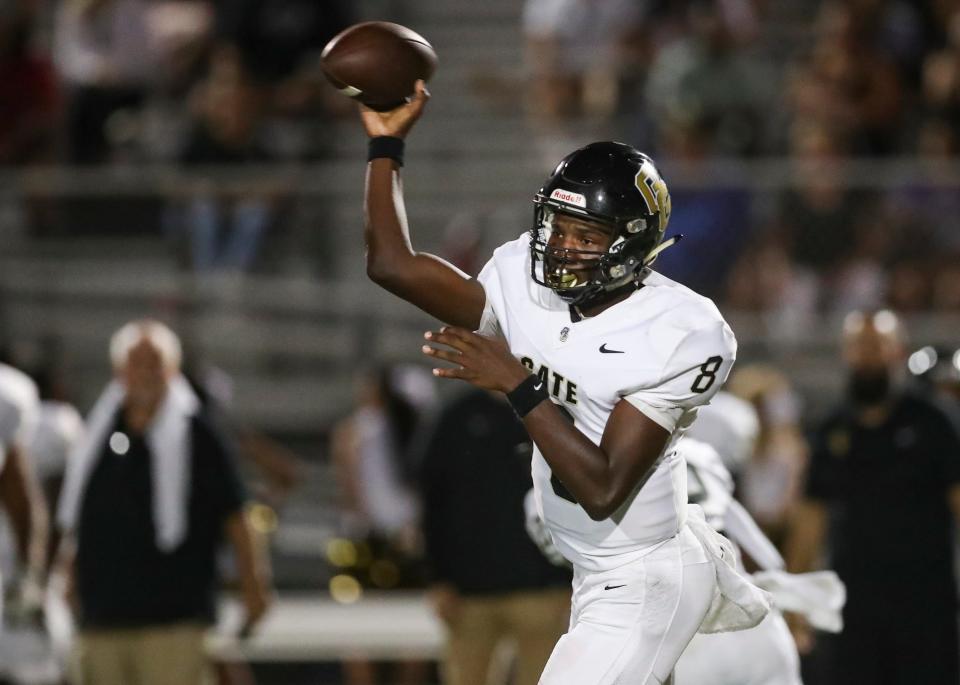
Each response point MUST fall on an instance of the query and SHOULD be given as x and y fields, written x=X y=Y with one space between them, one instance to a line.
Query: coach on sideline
x=884 y=480
x=148 y=496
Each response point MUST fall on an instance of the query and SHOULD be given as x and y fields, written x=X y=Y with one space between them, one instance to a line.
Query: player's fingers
x=444 y=337
x=421 y=91
x=455 y=372
x=419 y=99
x=465 y=336
x=445 y=355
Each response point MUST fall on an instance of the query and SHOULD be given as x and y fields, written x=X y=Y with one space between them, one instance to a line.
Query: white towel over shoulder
x=168 y=438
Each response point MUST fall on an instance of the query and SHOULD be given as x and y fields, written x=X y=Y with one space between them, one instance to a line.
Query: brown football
x=378 y=63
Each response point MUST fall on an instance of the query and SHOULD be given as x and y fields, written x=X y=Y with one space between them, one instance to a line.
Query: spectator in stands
x=704 y=79
x=941 y=73
x=576 y=55
x=946 y=286
x=767 y=281
x=818 y=208
x=277 y=45
x=104 y=53
x=848 y=85
x=149 y=495
x=490 y=582
x=371 y=454
x=884 y=480
x=704 y=215
x=225 y=228
x=29 y=92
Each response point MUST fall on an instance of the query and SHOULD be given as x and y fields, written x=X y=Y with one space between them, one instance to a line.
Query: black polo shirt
x=886 y=487
x=475 y=474
x=123 y=579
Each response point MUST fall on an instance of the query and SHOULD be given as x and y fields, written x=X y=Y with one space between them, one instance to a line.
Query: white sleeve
x=693 y=373
x=740 y=527
x=490 y=280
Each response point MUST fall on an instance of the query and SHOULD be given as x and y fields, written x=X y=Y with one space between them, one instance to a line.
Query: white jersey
x=56 y=433
x=665 y=349
x=19 y=404
x=709 y=484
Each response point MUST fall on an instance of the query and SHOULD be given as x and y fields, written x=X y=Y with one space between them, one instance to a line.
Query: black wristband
x=526 y=396
x=386 y=146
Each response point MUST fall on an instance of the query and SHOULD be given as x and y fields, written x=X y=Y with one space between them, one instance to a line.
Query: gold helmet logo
x=655 y=193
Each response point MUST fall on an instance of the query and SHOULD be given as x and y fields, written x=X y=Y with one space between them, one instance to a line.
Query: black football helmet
x=613 y=184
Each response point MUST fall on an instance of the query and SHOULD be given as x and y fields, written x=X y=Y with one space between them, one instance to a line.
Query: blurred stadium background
x=184 y=159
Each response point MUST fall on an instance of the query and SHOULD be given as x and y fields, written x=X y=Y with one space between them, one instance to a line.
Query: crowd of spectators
x=873 y=80
x=97 y=81
x=236 y=82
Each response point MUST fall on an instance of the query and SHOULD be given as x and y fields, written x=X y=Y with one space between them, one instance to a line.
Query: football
x=378 y=63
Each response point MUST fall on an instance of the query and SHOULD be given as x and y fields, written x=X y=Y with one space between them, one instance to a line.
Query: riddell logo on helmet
x=566 y=196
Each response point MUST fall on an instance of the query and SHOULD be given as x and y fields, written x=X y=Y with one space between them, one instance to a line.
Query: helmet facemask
x=576 y=275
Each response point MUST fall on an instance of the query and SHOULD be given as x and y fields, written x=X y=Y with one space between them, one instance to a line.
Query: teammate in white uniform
x=19 y=496
x=606 y=362
x=723 y=437
x=32 y=651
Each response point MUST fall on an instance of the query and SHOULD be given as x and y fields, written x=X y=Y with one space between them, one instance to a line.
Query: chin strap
x=661 y=248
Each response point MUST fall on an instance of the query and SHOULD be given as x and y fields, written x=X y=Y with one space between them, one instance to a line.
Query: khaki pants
x=160 y=655
x=533 y=620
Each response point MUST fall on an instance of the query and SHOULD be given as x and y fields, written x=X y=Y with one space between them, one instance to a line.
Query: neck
x=138 y=415
x=606 y=301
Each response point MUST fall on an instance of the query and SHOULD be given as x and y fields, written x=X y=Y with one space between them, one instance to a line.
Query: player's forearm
x=390 y=255
x=598 y=483
x=26 y=509
x=805 y=540
x=253 y=568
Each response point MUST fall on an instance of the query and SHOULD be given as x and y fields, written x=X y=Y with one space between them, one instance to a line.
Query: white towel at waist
x=737 y=604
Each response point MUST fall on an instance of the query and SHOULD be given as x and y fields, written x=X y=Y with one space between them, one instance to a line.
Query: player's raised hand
x=396 y=122
x=484 y=362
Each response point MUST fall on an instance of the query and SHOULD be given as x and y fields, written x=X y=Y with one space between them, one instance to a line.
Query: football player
x=721 y=440
x=606 y=362
x=19 y=495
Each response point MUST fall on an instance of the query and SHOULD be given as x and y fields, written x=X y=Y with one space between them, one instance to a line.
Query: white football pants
x=629 y=625
x=765 y=655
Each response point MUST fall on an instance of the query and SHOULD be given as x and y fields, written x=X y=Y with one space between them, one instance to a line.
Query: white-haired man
x=148 y=496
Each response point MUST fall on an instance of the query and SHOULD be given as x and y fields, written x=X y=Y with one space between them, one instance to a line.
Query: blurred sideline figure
x=23 y=505
x=771 y=479
x=717 y=445
x=149 y=494
x=35 y=652
x=491 y=587
x=884 y=480
x=371 y=453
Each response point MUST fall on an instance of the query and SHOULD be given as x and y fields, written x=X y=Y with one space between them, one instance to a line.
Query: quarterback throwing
x=606 y=362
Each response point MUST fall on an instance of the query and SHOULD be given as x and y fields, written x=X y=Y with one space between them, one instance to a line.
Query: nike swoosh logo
x=613 y=587
x=603 y=348
x=538 y=386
